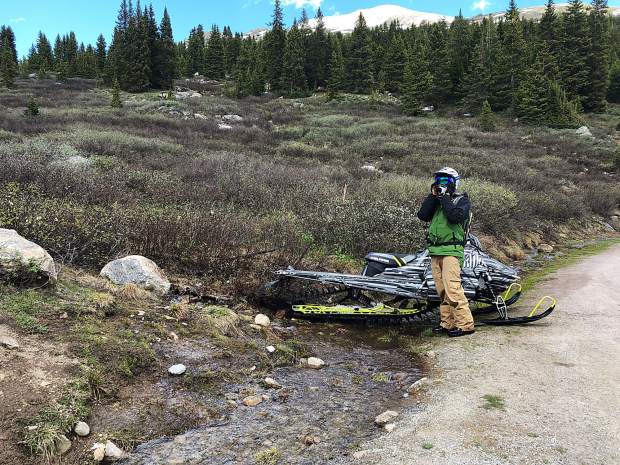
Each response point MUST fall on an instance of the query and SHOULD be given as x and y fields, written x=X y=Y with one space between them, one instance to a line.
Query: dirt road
x=558 y=381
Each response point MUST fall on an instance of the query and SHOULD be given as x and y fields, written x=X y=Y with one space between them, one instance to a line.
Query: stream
x=317 y=417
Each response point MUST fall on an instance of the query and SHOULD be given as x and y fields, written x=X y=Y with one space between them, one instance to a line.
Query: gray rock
x=232 y=118
x=81 y=429
x=583 y=131
x=177 y=370
x=98 y=450
x=545 y=248
x=419 y=384
x=389 y=427
x=262 y=320
x=386 y=417
x=315 y=362
x=199 y=116
x=252 y=401
x=272 y=383
x=224 y=127
x=8 y=342
x=29 y=260
x=137 y=270
x=113 y=452
x=62 y=444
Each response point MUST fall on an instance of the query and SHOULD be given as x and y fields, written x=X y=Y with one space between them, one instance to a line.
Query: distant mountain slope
x=386 y=14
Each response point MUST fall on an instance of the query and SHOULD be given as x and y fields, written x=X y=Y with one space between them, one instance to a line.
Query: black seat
x=377 y=263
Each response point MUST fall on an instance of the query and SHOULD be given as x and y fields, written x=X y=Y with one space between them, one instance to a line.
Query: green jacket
x=448 y=217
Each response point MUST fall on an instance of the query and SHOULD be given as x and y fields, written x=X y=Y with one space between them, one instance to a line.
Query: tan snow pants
x=455 y=312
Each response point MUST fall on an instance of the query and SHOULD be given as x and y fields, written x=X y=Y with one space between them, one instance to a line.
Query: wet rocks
x=385 y=418
x=262 y=320
x=272 y=383
x=138 y=270
x=315 y=363
x=63 y=444
x=177 y=370
x=252 y=401
x=81 y=429
x=25 y=259
x=419 y=384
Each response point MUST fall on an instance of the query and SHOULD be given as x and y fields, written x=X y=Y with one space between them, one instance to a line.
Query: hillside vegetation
x=168 y=180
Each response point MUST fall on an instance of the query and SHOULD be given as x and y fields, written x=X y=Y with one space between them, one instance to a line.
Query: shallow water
x=366 y=374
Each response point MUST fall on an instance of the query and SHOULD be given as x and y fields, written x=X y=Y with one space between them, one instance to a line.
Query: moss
x=271 y=456
x=493 y=402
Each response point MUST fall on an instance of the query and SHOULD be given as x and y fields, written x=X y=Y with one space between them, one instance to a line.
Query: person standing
x=448 y=213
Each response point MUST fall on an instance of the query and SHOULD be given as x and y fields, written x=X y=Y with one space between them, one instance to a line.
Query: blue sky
x=89 y=18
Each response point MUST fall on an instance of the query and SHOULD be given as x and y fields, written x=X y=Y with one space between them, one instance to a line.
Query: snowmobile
x=406 y=280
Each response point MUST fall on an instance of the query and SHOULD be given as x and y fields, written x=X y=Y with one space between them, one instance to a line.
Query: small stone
x=81 y=429
x=430 y=354
x=360 y=454
x=389 y=427
x=9 y=342
x=584 y=131
x=232 y=403
x=199 y=116
x=545 y=248
x=113 y=452
x=224 y=127
x=62 y=444
x=140 y=312
x=98 y=452
x=415 y=387
x=309 y=440
x=64 y=316
x=252 y=401
x=174 y=336
x=267 y=443
x=256 y=327
x=386 y=417
x=315 y=362
x=177 y=370
x=270 y=349
x=272 y=383
x=262 y=320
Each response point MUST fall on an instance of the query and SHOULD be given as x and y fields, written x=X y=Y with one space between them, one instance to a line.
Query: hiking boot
x=440 y=330
x=458 y=332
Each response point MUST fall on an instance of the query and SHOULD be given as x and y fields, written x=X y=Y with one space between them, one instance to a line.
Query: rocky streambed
x=301 y=415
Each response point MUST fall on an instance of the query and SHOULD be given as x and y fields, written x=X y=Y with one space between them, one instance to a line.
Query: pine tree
x=275 y=41
x=214 y=61
x=359 y=78
x=293 y=80
x=418 y=80
x=165 y=61
x=598 y=57
x=101 y=54
x=613 y=92
x=70 y=53
x=478 y=81
x=136 y=53
x=460 y=50
x=8 y=36
x=487 y=118
x=318 y=54
x=548 y=29
x=116 y=96
x=32 y=108
x=336 y=81
x=575 y=46
x=195 y=51
x=8 y=65
x=394 y=65
x=44 y=54
x=439 y=63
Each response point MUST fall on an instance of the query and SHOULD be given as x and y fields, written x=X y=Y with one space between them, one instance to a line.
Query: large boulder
x=24 y=261
x=137 y=270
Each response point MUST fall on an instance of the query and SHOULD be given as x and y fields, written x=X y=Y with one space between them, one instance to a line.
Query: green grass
x=23 y=307
x=569 y=257
x=427 y=446
x=493 y=402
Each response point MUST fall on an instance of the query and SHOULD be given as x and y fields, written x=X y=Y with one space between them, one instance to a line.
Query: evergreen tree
x=165 y=61
x=275 y=41
x=439 y=63
x=214 y=62
x=196 y=51
x=8 y=67
x=548 y=29
x=394 y=65
x=575 y=45
x=318 y=55
x=478 y=82
x=116 y=96
x=45 y=55
x=136 y=55
x=32 y=108
x=358 y=64
x=293 y=80
x=70 y=52
x=418 y=80
x=336 y=82
x=598 y=57
x=487 y=118
x=459 y=45
x=8 y=36
x=613 y=92
x=101 y=54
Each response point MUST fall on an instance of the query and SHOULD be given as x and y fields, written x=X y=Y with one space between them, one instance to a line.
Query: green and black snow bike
x=399 y=288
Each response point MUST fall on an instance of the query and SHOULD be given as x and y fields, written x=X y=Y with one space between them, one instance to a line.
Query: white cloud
x=302 y=3
x=481 y=5
x=21 y=19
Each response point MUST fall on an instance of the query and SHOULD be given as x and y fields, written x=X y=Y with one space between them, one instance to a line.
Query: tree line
x=546 y=71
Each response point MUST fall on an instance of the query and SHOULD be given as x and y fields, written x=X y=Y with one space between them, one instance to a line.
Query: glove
x=438 y=190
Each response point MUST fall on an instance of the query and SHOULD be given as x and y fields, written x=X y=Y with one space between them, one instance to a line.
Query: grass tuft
x=493 y=402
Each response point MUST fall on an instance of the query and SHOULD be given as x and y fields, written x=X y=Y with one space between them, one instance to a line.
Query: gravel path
x=559 y=381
